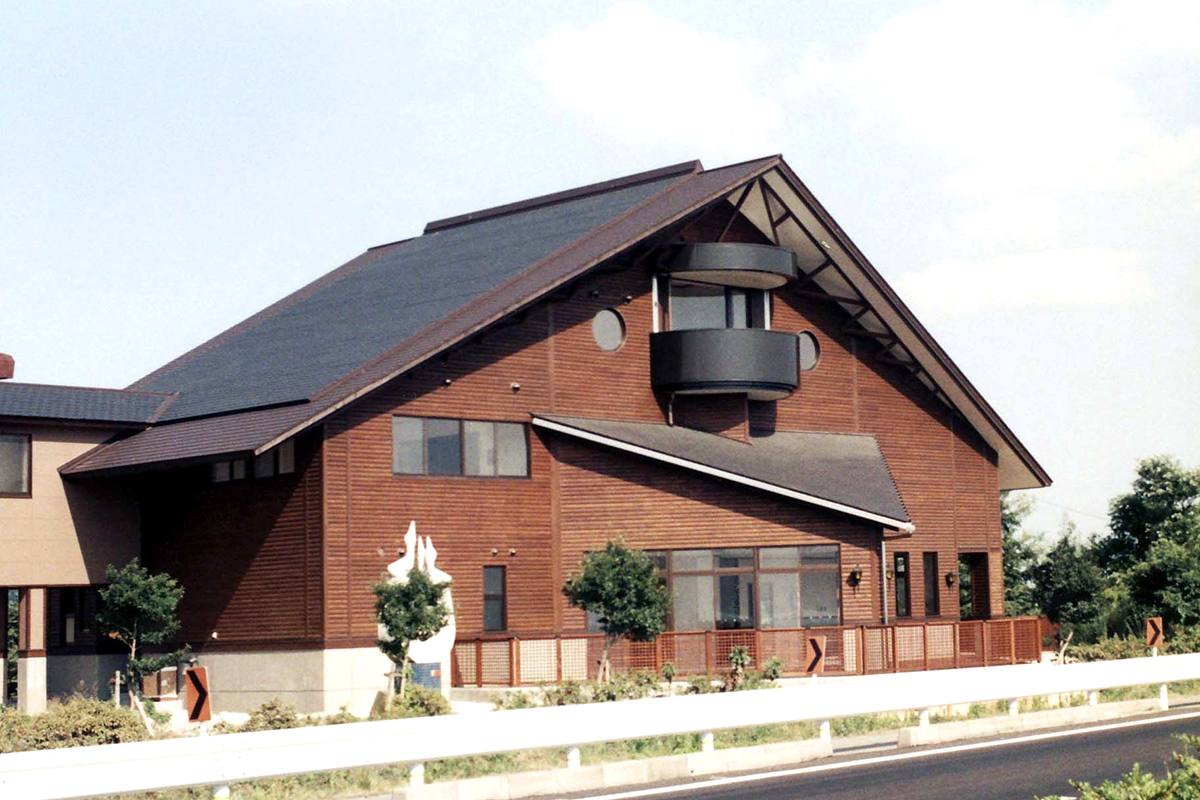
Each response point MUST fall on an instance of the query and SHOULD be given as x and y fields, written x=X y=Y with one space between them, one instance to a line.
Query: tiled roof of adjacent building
x=77 y=403
x=845 y=472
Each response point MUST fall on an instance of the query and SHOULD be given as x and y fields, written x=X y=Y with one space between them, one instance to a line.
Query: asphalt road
x=1018 y=771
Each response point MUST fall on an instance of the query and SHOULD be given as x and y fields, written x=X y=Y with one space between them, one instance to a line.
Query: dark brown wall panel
x=245 y=552
x=607 y=495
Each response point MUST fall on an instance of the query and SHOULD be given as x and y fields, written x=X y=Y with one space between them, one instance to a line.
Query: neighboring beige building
x=58 y=536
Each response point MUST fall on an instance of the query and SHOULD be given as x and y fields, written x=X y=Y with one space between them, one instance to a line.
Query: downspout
x=883 y=574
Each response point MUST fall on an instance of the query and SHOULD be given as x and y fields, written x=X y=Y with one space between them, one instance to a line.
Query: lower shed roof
x=843 y=472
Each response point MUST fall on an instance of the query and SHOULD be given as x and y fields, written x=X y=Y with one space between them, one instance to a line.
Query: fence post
x=708 y=652
x=514 y=662
x=479 y=662
x=895 y=652
x=986 y=644
x=862 y=650
x=1012 y=641
x=957 y=644
x=558 y=657
x=758 y=661
x=925 y=645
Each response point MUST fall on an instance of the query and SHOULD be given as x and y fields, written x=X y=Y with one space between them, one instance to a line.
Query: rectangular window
x=428 y=446
x=929 y=568
x=693 y=305
x=820 y=585
x=15 y=465
x=495 y=607
x=287 y=457
x=264 y=464
x=693 y=605
x=903 y=595
x=779 y=600
x=221 y=472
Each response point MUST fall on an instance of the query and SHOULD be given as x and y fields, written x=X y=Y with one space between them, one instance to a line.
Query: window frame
x=28 y=465
x=462 y=450
x=502 y=598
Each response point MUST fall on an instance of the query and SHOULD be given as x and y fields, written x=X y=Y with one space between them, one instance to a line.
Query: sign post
x=199 y=706
x=1155 y=640
x=814 y=655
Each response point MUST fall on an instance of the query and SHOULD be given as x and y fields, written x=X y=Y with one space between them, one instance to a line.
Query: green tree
x=1165 y=501
x=622 y=588
x=1068 y=585
x=138 y=609
x=1019 y=555
x=410 y=611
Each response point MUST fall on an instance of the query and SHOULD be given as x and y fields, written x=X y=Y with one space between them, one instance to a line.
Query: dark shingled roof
x=669 y=195
x=847 y=469
x=352 y=316
x=77 y=403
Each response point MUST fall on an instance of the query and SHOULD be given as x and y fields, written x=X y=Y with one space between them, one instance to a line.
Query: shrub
x=76 y=722
x=418 y=701
x=669 y=671
x=567 y=693
x=272 y=715
x=772 y=669
x=701 y=684
x=511 y=701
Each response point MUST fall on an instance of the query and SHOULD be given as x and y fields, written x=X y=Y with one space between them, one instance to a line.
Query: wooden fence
x=849 y=650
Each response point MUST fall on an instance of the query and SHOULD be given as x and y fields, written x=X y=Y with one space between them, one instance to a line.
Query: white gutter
x=696 y=466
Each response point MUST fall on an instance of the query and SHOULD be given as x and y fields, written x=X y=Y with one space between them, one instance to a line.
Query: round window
x=810 y=351
x=608 y=329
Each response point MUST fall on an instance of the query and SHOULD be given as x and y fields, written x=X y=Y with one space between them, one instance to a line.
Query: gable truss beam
x=812 y=276
x=737 y=208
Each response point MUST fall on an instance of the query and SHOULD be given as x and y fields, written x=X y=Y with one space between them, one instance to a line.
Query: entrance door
x=974 y=595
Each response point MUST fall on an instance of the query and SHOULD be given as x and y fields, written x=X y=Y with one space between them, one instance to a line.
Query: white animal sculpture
x=421 y=555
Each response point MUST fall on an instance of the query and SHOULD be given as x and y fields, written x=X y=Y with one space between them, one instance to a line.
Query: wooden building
x=699 y=363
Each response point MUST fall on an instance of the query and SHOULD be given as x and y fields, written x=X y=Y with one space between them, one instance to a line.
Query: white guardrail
x=222 y=760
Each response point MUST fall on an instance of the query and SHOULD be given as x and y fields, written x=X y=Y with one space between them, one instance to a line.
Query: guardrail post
x=573 y=757
x=1093 y=698
x=923 y=718
x=416 y=774
x=1014 y=707
x=1163 y=702
x=824 y=731
x=706 y=742
x=221 y=791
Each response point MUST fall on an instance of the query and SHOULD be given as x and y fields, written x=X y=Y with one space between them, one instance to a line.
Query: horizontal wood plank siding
x=238 y=549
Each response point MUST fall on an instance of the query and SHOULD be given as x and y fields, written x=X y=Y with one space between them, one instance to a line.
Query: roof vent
x=6 y=366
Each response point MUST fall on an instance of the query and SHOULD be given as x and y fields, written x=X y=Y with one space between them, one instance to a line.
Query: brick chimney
x=6 y=366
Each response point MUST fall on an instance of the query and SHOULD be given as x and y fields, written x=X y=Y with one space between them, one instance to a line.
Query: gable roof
x=843 y=472
x=397 y=305
x=80 y=404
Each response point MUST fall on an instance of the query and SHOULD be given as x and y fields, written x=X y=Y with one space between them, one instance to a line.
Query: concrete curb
x=944 y=732
x=616 y=774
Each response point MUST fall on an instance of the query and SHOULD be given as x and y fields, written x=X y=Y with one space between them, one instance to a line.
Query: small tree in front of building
x=138 y=609
x=622 y=588
x=410 y=611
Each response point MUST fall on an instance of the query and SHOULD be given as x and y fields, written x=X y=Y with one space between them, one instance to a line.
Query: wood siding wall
x=578 y=495
x=247 y=553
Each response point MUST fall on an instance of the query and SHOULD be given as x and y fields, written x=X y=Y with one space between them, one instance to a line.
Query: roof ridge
x=147 y=392
x=554 y=198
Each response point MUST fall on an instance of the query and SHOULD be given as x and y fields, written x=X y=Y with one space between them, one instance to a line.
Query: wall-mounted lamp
x=594 y=294
x=495 y=550
x=951 y=578
x=447 y=382
x=854 y=578
x=512 y=551
x=628 y=299
x=516 y=387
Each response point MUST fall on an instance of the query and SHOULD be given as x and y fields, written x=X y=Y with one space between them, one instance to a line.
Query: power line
x=1073 y=510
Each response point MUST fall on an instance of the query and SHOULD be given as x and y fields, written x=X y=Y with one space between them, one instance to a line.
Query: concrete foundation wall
x=90 y=674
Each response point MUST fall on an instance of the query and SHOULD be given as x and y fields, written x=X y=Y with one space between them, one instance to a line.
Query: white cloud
x=650 y=80
x=1013 y=220
x=1085 y=276
x=1024 y=96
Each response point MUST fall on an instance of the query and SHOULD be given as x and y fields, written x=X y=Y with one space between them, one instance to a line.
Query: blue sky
x=1027 y=175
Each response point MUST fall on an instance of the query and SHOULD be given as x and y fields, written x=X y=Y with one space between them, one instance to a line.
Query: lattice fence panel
x=539 y=660
x=575 y=659
x=724 y=641
x=496 y=666
x=850 y=654
x=970 y=644
x=464 y=654
x=687 y=652
x=941 y=646
x=999 y=642
x=878 y=645
x=1029 y=639
x=910 y=647
x=787 y=646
